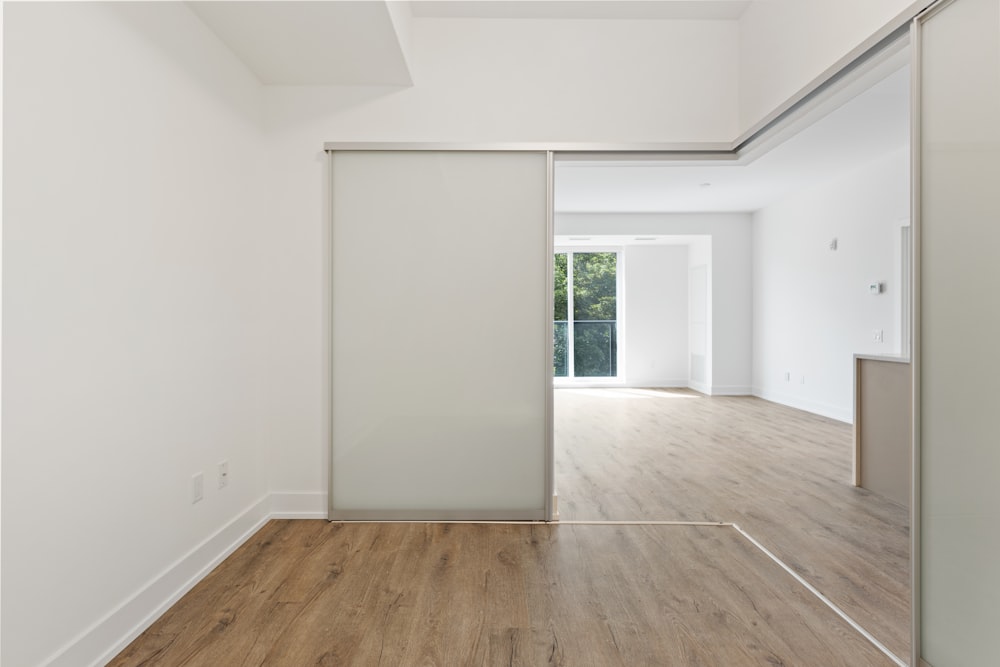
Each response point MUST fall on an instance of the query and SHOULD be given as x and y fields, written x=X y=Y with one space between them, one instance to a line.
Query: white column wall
x=133 y=349
x=656 y=316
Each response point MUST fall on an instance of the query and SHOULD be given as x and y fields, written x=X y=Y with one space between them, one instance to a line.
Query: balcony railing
x=594 y=345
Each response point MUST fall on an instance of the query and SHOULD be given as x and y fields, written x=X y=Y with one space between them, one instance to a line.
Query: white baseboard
x=298 y=505
x=839 y=413
x=598 y=383
x=719 y=389
x=730 y=390
x=700 y=387
x=656 y=384
x=110 y=635
x=102 y=641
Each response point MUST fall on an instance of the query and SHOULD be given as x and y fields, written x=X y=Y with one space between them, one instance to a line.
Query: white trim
x=1 y=258
x=551 y=497
x=298 y=505
x=719 y=390
x=327 y=362
x=700 y=387
x=731 y=390
x=698 y=147
x=843 y=414
x=589 y=383
x=109 y=636
x=441 y=516
x=640 y=522
x=679 y=383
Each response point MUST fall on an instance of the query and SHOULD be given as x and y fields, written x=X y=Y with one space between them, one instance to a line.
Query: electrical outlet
x=223 y=474
x=197 y=487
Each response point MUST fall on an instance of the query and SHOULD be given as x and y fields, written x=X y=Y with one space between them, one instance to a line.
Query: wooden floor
x=782 y=474
x=305 y=593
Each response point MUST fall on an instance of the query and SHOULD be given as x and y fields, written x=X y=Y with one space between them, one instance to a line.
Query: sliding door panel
x=440 y=324
x=959 y=333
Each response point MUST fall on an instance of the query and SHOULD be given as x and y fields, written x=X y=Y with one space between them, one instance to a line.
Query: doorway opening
x=756 y=427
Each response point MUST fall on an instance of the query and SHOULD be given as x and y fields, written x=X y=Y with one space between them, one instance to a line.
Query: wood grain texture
x=313 y=593
x=305 y=593
x=782 y=474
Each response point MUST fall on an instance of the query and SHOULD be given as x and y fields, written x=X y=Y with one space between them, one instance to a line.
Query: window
x=586 y=286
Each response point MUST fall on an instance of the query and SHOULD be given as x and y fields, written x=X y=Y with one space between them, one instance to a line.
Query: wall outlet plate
x=197 y=487
x=223 y=474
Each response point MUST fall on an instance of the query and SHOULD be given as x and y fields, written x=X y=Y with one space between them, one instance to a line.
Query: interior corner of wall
x=401 y=18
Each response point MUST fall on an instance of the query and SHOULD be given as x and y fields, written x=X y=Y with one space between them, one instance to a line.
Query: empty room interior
x=643 y=433
x=479 y=332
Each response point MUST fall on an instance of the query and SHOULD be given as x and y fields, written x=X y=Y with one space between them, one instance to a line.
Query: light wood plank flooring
x=314 y=593
x=782 y=474
x=305 y=593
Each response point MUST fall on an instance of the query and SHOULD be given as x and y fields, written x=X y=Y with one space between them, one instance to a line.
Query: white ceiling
x=868 y=127
x=617 y=240
x=362 y=42
x=715 y=10
x=294 y=42
x=311 y=43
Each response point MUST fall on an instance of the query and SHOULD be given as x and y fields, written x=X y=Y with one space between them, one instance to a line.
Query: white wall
x=730 y=318
x=154 y=324
x=132 y=309
x=811 y=307
x=786 y=44
x=592 y=80
x=536 y=80
x=656 y=316
x=565 y=81
x=700 y=314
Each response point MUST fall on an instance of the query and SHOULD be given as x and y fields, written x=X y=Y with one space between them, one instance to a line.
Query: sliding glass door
x=440 y=335
x=958 y=326
x=585 y=314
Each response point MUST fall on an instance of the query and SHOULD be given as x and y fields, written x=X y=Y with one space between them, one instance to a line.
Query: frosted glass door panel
x=440 y=325
x=959 y=334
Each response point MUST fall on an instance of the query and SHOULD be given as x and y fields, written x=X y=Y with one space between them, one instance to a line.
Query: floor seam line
x=644 y=523
x=822 y=598
x=724 y=524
